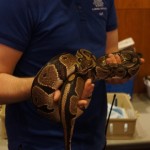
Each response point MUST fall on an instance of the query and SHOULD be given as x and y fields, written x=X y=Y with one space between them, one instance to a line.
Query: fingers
x=86 y=96
x=88 y=89
x=57 y=94
x=83 y=104
x=113 y=59
x=142 y=60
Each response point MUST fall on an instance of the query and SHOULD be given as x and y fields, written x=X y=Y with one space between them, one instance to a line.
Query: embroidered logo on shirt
x=98 y=3
x=99 y=6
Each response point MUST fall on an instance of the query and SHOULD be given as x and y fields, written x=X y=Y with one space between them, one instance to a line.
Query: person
x=32 y=32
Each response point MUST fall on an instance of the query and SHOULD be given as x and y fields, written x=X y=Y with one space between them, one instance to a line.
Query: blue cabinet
x=125 y=87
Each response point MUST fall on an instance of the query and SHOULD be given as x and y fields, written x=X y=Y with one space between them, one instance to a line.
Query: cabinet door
x=134 y=21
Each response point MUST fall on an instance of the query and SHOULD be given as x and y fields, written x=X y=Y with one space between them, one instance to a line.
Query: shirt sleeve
x=15 y=24
x=112 y=18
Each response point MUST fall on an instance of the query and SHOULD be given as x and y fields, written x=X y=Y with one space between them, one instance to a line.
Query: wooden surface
x=134 y=21
x=132 y=4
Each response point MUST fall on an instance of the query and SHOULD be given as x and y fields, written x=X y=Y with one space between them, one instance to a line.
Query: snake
x=67 y=72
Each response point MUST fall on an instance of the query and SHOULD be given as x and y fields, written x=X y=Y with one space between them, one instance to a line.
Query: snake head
x=86 y=61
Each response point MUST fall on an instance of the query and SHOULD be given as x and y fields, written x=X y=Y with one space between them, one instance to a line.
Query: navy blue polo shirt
x=41 y=29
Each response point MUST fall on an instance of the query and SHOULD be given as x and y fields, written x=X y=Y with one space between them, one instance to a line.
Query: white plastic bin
x=122 y=128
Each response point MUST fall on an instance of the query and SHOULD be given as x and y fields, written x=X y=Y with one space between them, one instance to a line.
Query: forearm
x=112 y=41
x=14 y=89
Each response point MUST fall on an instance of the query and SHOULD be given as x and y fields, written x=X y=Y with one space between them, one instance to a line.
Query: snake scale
x=68 y=73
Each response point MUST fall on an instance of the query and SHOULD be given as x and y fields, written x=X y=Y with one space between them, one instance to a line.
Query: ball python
x=68 y=73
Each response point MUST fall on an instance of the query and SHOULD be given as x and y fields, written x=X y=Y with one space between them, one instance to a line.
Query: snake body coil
x=68 y=73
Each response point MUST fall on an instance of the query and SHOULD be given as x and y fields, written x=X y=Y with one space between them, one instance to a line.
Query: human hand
x=115 y=59
x=86 y=95
x=142 y=60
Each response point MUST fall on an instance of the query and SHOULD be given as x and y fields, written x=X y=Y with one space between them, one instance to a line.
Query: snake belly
x=69 y=111
x=68 y=73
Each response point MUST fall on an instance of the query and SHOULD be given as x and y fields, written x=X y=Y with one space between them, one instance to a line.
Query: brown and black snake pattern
x=68 y=73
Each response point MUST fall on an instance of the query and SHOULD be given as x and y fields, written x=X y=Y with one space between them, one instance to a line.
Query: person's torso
x=61 y=26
